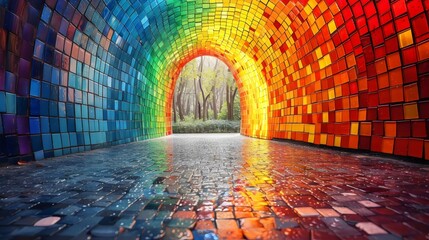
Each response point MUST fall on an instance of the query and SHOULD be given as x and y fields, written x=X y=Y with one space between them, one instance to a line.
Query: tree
x=201 y=89
x=231 y=91
x=204 y=96
x=180 y=102
x=174 y=110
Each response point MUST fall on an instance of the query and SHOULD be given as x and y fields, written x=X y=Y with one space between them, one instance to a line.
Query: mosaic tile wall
x=77 y=75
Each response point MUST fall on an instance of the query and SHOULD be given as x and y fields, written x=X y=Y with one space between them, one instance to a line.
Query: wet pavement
x=215 y=186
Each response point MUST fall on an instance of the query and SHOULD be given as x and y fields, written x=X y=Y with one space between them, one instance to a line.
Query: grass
x=209 y=126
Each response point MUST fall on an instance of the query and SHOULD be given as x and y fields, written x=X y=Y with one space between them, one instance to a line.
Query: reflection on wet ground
x=214 y=186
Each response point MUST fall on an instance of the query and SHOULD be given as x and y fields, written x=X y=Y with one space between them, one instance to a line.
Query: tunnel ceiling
x=78 y=75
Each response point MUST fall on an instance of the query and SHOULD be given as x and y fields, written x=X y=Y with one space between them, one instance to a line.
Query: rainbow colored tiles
x=78 y=75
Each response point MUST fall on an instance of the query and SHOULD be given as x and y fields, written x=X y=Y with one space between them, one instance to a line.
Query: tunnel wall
x=78 y=75
x=356 y=77
x=68 y=81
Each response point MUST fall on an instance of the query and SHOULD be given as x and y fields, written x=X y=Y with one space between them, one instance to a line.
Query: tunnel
x=80 y=75
x=334 y=99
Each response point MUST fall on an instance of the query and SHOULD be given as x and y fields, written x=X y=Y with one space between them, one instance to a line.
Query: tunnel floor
x=214 y=186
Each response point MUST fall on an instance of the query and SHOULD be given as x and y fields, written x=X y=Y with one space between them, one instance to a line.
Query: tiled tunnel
x=84 y=75
x=78 y=75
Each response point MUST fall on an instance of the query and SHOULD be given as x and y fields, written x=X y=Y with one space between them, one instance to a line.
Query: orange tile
x=363 y=84
x=383 y=81
x=380 y=66
x=411 y=92
x=390 y=129
x=395 y=77
x=362 y=114
x=354 y=101
x=411 y=111
x=365 y=129
x=393 y=60
x=354 y=142
x=423 y=51
x=396 y=94
x=387 y=145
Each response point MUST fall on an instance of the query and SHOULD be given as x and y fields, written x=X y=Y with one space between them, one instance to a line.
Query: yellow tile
x=354 y=130
x=406 y=38
x=332 y=27
x=337 y=141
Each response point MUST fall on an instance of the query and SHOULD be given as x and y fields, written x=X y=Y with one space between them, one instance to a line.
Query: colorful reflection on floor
x=214 y=186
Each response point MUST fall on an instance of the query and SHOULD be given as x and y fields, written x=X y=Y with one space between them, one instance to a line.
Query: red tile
x=403 y=129
x=401 y=147
x=418 y=128
x=415 y=148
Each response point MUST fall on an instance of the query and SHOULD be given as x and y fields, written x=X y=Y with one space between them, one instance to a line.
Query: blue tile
x=56 y=140
x=62 y=94
x=78 y=110
x=46 y=90
x=63 y=27
x=47 y=72
x=44 y=107
x=70 y=109
x=54 y=92
x=80 y=138
x=55 y=76
x=53 y=109
x=39 y=49
x=63 y=125
x=54 y=125
x=21 y=106
x=58 y=152
x=47 y=141
x=37 y=69
x=71 y=127
x=65 y=140
x=34 y=125
x=61 y=109
x=10 y=103
x=61 y=5
x=34 y=107
x=44 y=124
x=46 y=14
x=2 y=102
x=36 y=142
x=39 y=155
x=49 y=55
x=35 y=88
x=85 y=125
x=73 y=139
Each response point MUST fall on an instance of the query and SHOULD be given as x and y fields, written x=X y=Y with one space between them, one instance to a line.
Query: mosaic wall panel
x=78 y=75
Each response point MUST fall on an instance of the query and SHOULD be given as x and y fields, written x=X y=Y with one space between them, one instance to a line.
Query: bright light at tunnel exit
x=252 y=94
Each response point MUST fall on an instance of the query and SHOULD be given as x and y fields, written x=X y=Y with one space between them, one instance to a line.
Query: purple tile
x=9 y=124
x=22 y=125
x=24 y=145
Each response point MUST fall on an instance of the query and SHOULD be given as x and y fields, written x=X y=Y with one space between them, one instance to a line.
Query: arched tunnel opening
x=251 y=93
x=206 y=98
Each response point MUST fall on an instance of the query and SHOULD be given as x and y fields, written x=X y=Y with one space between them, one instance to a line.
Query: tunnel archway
x=76 y=75
x=252 y=90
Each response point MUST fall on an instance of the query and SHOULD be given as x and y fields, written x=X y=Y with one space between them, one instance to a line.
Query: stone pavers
x=220 y=186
